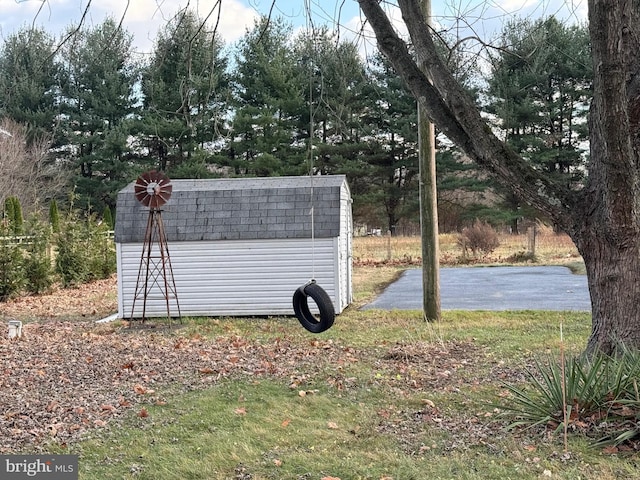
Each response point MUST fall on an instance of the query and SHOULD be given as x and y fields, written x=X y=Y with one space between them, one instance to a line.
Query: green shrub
x=600 y=399
x=54 y=216
x=72 y=259
x=103 y=254
x=12 y=277
x=37 y=262
x=85 y=252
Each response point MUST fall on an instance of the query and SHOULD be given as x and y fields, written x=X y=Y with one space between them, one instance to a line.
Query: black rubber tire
x=307 y=319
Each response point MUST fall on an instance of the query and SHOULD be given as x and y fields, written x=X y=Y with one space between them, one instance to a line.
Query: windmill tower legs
x=155 y=275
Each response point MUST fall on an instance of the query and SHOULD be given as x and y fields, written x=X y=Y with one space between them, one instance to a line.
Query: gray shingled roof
x=238 y=209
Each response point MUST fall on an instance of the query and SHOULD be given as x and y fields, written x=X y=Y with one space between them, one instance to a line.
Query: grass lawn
x=381 y=395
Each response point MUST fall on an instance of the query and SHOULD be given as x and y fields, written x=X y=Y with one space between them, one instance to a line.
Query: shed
x=241 y=246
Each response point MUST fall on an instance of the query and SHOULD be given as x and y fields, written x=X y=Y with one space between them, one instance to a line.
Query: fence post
x=533 y=232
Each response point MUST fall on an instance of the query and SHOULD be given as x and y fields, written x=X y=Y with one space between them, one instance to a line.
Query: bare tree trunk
x=612 y=275
x=609 y=239
x=603 y=218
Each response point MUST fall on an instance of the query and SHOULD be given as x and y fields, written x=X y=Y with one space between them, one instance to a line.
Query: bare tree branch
x=26 y=171
x=71 y=33
x=450 y=108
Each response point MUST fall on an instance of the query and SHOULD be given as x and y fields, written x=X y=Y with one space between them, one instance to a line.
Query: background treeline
x=88 y=115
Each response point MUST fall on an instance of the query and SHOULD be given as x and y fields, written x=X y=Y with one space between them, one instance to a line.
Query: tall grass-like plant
x=601 y=393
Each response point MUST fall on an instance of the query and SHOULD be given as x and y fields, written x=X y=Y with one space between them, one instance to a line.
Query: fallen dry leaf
x=139 y=389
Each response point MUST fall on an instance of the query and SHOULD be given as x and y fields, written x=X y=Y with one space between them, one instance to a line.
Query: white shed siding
x=344 y=249
x=235 y=277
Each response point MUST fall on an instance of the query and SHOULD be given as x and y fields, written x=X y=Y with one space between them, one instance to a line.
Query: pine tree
x=29 y=80
x=8 y=213
x=185 y=88
x=540 y=91
x=18 y=220
x=268 y=103
x=54 y=216
x=98 y=99
x=107 y=218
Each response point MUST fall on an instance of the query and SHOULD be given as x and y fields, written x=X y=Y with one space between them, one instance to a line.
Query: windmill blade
x=153 y=189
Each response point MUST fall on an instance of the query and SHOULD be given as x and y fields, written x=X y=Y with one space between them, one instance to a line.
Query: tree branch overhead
x=454 y=113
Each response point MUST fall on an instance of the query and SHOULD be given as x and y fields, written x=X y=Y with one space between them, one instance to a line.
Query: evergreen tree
x=98 y=99
x=539 y=90
x=387 y=175
x=28 y=81
x=8 y=213
x=333 y=84
x=185 y=89
x=107 y=218
x=38 y=269
x=12 y=278
x=54 y=216
x=13 y=215
x=268 y=103
x=17 y=221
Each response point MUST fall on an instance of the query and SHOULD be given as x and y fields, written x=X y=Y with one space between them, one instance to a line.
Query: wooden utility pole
x=428 y=209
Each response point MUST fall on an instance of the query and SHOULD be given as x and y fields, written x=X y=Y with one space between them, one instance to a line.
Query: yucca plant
x=600 y=395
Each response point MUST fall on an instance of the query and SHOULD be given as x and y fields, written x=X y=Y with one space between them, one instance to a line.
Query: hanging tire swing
x=327 y=313
x=325 y=307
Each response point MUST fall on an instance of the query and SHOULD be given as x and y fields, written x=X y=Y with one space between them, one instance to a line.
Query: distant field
x=550 y=248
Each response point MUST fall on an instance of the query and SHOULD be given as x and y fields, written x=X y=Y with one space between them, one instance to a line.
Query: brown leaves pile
x=93 y=300
x=62 y=379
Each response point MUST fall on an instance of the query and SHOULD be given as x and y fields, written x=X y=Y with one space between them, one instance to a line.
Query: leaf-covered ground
x=91 y=301
x=68 y=376
x=64 y=377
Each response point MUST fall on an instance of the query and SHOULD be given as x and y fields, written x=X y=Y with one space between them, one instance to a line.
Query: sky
x=143 y=18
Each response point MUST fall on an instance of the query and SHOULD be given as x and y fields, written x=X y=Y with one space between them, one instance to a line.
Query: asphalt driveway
x=492 y=288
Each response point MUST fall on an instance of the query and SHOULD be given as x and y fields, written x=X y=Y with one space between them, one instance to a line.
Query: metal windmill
x=155 y=275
